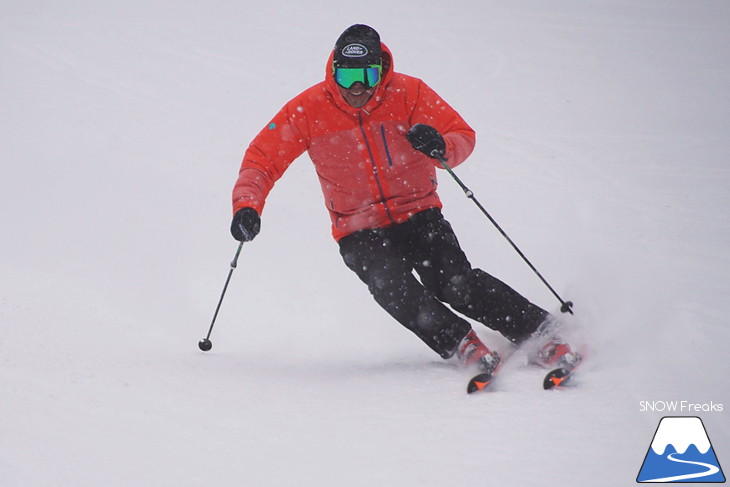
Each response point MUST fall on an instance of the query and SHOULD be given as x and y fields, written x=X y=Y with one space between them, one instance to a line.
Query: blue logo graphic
x=681 y=452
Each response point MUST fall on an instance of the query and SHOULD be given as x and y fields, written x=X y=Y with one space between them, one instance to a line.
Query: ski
x=562 y=376
x=556 y=378
x=479 y=382
x=482 y=380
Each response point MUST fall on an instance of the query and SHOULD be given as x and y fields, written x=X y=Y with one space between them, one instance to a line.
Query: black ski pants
x=385 y=259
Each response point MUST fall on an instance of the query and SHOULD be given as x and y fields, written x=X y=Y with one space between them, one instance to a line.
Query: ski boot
x=473 y=353
x=548 y=349
x=557 y=353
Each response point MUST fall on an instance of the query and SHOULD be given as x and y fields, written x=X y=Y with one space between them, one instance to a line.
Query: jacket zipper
x=375 y=168
x=385 y=144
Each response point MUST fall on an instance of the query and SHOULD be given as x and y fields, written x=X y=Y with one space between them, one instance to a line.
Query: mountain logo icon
x=681 y=452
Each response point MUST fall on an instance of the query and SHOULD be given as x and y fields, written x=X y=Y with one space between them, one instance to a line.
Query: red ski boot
x=557 y=353
x=473 y=353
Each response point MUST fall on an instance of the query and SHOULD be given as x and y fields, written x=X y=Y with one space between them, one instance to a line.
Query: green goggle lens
x=369 y=76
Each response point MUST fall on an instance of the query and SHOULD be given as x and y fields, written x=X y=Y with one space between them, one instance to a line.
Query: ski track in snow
x=602 y=151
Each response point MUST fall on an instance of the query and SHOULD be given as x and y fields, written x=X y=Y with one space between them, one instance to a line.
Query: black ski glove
x=426 y=139
x=246 y=224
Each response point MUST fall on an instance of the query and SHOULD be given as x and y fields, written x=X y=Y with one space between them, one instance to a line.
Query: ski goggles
x=369 y=76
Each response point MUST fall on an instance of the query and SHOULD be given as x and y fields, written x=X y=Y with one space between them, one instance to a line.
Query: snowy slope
x=602 y=150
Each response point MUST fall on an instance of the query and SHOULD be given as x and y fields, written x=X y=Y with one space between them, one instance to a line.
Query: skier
x=371 y=134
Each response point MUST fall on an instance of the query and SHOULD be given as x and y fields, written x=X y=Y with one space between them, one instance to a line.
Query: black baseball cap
x=358 y=47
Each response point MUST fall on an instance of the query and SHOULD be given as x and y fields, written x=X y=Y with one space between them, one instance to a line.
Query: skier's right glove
x=426 y=139
x=246 y=224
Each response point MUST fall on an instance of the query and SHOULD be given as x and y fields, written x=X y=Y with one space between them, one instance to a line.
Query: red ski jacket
x=370 y=175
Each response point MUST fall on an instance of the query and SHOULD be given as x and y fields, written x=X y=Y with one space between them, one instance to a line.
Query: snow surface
x=602 y=150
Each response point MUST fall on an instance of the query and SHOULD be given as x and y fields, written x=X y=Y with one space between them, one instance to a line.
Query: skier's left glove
x=245 y=225
x=426 y=139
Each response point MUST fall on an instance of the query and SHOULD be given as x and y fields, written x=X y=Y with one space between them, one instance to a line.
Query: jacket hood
x=331 y=85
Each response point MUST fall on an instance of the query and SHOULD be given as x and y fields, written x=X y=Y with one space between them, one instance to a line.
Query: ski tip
x=557 y=378
x=479 y=382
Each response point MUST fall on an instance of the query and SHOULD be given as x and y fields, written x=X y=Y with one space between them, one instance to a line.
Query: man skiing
x=371 y=134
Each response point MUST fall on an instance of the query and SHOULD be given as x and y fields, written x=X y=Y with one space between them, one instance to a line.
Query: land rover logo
x=354 y=50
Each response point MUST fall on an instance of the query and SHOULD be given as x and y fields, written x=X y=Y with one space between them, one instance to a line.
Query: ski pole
x=566 y=306
x=205 y=344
